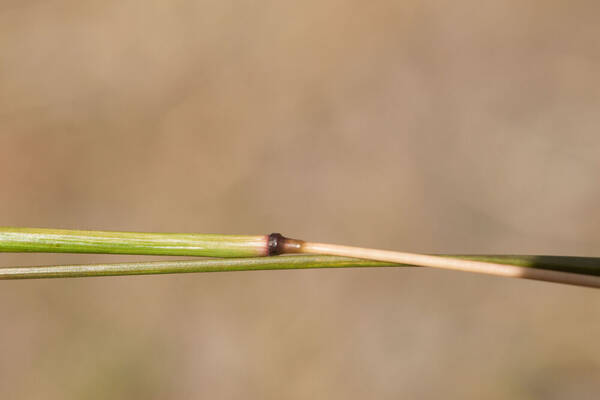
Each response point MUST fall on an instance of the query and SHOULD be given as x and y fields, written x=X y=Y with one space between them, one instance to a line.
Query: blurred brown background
x=424 y=126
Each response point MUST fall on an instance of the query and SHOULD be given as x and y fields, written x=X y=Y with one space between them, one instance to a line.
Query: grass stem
x=455 y=264
x=174 y=244
x=575 y=265
x=192 y=244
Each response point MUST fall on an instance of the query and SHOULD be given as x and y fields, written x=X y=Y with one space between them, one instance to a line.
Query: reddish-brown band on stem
x=278 y=244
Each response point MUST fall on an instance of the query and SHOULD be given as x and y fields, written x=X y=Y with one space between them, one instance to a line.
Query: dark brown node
x=279 y=244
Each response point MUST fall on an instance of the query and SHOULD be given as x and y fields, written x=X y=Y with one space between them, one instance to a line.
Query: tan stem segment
x=453 y=264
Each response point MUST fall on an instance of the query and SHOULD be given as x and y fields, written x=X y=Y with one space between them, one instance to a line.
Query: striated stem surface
x=580 y=265
x=175 y=244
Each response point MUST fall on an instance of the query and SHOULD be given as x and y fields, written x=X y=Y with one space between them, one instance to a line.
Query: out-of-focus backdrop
x=469 y=127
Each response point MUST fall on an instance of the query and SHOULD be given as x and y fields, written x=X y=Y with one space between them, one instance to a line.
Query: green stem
x=176 y=244
x=581 y=265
